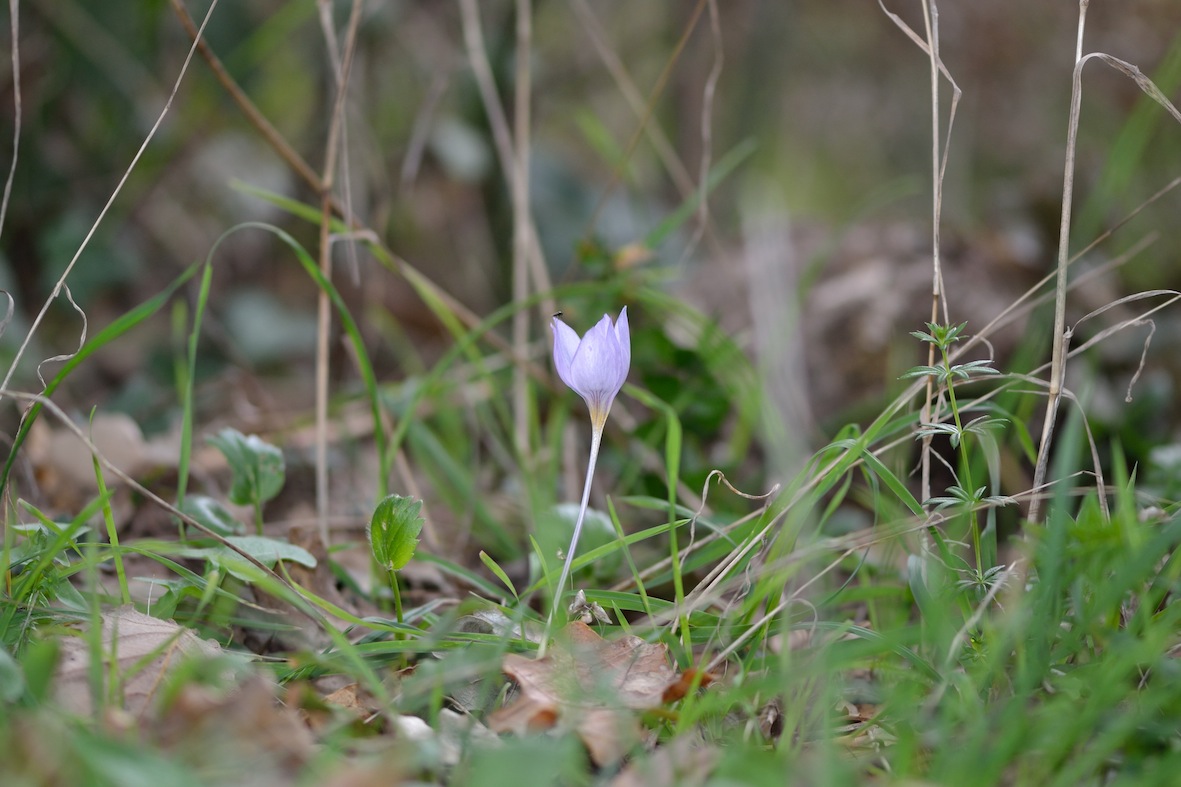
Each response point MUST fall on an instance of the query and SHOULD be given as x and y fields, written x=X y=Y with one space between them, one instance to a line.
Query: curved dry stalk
x=61 y=282
x=665 y=563
x=14 y=21
x=1061 y=333
x=301 y=168
x=939 y=157
x=341 y=68
x=655 y=135
x=845 y=545
x=521 y=219
x=1058 y=353
x=649 y=108
x=707 y=105
x=512 y=150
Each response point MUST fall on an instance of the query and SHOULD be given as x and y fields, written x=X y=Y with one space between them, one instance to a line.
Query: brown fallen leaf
x=686 y=682
x=144 y=649
x=245 y=723
x=349 y=698
x=591 y=685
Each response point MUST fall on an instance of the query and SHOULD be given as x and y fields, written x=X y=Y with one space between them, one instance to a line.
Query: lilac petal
x=596 y=366
x=623 y=336
x=593 y=368
x=565 y=346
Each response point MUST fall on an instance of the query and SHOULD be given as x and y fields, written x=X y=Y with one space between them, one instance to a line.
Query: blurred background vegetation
x=818 y=131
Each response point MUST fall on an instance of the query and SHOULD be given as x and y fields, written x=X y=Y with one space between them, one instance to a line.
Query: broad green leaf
x=258 y=466
x=212 y=514
x=265 y=550
x=393 y=531
x=268 y=550
x=39 y=663
x=12 y=678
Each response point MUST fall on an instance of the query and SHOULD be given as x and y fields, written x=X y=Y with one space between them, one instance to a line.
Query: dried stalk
x=61 y=282
x=512 y=150
x=308 y=175
x=14 y=19
x=1061 y=338
x=521 y=223
x=323 y=303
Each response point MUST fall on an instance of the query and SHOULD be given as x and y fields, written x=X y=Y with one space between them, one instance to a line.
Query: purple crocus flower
x=595 y=367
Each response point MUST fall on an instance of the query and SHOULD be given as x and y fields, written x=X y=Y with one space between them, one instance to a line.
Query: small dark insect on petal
x=557 y=314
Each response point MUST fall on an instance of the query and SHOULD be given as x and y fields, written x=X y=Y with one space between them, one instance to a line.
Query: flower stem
x=596 y=438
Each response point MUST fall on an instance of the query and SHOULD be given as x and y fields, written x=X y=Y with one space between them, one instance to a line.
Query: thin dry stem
x=341 y=69
x=14 y=19
x=590 y=25
x=1061 y=334
x=1058 y=356
x=252 y=113
x=649 y=107
x=707 y=105
x=61 y=282
x=930 y=46
x=521 y=222
x=409 y=272
x=514 y=157
x=512 y=149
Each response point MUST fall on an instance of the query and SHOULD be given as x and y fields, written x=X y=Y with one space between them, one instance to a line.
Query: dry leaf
x=64 y=466
x=246 y=724
x=591 y=685
x=349 y=698
x=143 y=648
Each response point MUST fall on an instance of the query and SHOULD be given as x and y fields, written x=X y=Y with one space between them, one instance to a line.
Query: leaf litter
x=137 y=649
x=591 y=685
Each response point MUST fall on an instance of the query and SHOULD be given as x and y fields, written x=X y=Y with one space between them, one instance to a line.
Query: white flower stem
x=596 y=438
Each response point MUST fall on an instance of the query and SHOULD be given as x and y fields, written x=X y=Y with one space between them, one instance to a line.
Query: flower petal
x=596 y=366
x=623 y=336
x=593 y=367
x=565 y=345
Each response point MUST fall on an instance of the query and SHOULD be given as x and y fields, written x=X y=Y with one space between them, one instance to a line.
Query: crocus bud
x=596 y=365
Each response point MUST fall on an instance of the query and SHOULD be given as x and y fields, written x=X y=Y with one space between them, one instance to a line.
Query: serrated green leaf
x=393 y=531
x=258 y=466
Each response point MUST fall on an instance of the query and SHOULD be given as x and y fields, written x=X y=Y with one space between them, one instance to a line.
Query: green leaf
x=393 y=531
x=39 y=663
x=922 y=371
x=258 y=466
x=269 y=550
x=495 y=568
x=12 y=678
x=212 y=514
